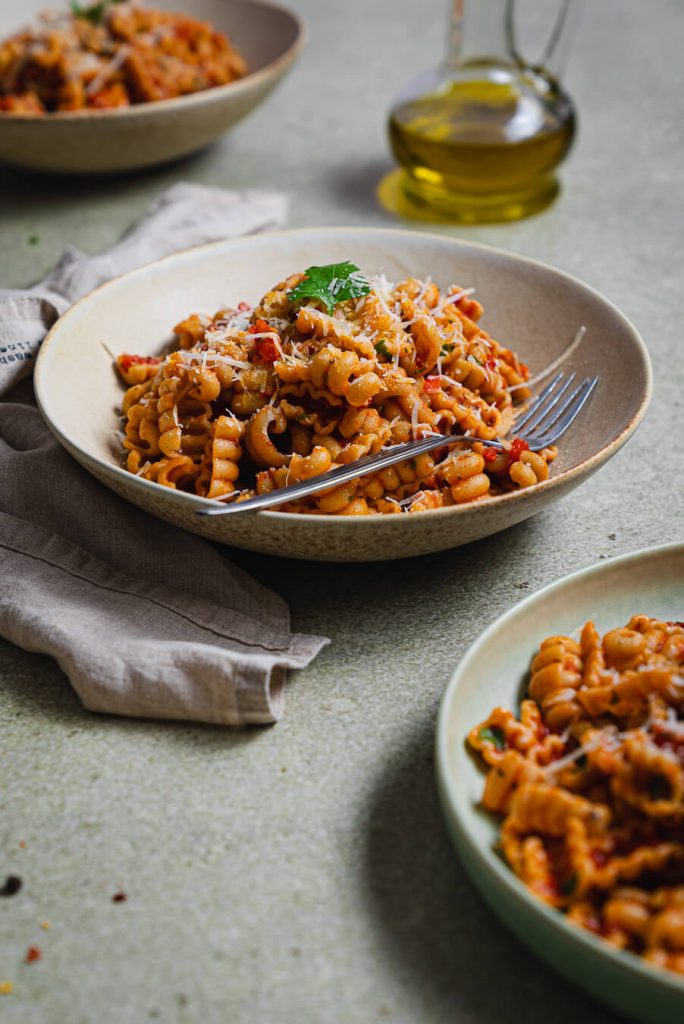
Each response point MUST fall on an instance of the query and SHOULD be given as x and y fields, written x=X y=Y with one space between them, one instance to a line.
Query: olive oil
x=485 y=145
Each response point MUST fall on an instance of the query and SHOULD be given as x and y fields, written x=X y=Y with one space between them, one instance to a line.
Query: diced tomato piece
x=432 y=383
x=490 y=454
x=517 y=448
x=126 y=361
x=259 y=327
x=267 y=350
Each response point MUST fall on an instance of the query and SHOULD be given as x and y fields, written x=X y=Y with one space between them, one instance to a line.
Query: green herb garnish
x=446 y=349
x=382 y=350
x=331 y=284
x=95 y=13
x=493 y=734
x=33 y=239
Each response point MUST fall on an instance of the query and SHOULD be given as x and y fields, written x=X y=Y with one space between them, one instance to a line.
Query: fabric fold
x=144 y=618
x=183 y=216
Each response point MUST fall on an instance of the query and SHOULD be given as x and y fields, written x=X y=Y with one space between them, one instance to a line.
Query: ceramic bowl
x=532 y=308
x=494 y=672
x=270 y=37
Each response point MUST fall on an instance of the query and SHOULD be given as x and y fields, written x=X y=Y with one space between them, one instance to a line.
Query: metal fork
x=540 y=425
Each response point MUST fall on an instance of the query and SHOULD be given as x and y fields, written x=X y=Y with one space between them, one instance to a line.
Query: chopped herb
x=33 y=239
x=331 y=284
x=302 y=416
x=382 y=350
x=446 y=349
x=659 y=788
x=12 y=886
x=95 y=13
x=493 y=734
x=568 y=886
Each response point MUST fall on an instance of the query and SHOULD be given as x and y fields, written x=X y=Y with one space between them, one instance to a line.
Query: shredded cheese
x=577 y=340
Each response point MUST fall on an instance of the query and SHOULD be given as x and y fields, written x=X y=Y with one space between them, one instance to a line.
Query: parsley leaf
x=382 y=350
x=331 y=284
x=95 y=13
x=493 y=734
x=446 y=349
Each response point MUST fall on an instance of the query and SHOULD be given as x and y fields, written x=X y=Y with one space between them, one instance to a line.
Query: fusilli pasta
x=259 y=398
x=590 y=783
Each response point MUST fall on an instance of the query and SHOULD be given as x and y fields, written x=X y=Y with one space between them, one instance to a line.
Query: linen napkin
x=145 y=619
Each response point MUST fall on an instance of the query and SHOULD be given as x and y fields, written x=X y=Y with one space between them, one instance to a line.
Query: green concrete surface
x=301 y=874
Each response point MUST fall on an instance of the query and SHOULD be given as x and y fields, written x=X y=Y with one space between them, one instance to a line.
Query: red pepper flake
x=490 y=454
x=33 y=953
x=12 y=886
x=432 y=383
x=490 y=364
x=517 y=448
x=119 y=897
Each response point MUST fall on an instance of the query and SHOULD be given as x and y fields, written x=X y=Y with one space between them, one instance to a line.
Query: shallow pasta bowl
x=493 y=673
x=94 y=141
x=529 y=307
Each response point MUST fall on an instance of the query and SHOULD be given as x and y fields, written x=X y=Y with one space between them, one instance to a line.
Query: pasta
x=589 y=781
x=327 y=368
x=111 y=53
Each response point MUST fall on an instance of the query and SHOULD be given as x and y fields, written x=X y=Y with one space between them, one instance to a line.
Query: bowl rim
x=471 y=508
x=215 y=92
x=497 y=871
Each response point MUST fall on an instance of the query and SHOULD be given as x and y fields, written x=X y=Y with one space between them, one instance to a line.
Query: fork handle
x=340 y=475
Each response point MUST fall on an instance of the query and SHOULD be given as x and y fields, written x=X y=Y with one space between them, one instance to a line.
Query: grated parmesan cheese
x=577 y=340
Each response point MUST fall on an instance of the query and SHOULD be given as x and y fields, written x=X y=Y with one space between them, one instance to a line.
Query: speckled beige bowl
x=270 y=37
x=530 y=307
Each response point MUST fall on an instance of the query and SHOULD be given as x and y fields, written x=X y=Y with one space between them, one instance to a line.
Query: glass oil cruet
x=479 y=138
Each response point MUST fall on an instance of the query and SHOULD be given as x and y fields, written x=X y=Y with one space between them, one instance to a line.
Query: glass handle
x=455 y=35
x=555 y=52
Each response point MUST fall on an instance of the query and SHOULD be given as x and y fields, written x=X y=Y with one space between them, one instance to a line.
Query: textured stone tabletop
x=301 y=874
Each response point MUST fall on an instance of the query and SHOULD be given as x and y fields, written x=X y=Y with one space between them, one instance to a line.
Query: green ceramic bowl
x=493 y=672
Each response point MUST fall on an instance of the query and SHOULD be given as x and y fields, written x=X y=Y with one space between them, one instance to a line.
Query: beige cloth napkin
x=144 y=618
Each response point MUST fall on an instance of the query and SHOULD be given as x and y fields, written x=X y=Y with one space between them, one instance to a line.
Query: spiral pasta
x=111 y=53
x=590 y=783
x=257 y=398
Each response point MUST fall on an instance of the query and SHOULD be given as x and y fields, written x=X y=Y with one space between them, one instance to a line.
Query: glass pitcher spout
x=479 y=137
